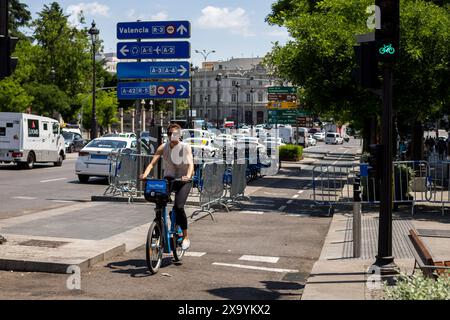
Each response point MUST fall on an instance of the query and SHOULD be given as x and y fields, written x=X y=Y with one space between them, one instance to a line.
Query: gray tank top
x=175 y=160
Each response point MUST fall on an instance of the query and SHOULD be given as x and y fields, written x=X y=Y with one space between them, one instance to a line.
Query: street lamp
x=238 y=86
x=205 y=55
x=94 y=32
x=252 y=91
x=218 y=79
x=53 y=74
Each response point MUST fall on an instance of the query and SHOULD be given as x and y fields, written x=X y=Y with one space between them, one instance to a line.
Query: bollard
x=356 y=218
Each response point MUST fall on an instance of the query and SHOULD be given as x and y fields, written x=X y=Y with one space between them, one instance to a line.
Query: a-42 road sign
x=154 y=50
x=153 y=70
x=153 y=90
x=154 y=30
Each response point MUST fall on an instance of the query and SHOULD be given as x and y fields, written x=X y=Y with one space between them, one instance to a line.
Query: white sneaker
x=185 y=244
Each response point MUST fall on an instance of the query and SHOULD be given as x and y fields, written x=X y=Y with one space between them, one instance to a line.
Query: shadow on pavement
x=137 y=268
x=271 y=293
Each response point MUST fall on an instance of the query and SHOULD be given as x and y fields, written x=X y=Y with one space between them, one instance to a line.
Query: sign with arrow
x=154 y=50
x=153 y=70
x=154 y=30
x=153 y=90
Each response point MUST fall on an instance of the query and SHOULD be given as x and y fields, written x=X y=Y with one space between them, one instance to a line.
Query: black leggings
x=182 y=190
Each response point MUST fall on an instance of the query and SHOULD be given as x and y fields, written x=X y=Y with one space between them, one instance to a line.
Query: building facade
x=231 y=89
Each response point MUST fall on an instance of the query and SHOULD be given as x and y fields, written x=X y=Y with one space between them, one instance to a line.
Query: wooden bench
x=424 y=259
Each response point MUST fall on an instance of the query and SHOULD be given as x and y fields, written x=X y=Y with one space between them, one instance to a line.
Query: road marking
x=254 y=267
x=194 y=254
x=24 y=198
x=290 y=201
x=253 y=212
x=259 y=259
x=281 y=208
x=301 y=191
x=52 y=180
x=64 y=201
x=296 y=196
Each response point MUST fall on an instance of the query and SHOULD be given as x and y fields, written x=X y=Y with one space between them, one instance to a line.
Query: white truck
x=26 y=139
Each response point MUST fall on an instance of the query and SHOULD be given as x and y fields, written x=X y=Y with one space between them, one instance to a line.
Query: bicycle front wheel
x=177 y=251
x=154 y=248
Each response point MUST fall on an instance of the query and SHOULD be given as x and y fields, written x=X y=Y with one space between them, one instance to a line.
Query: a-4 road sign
x=154 y=50
x=153 y=90
x=154 y=30
x=153 y=70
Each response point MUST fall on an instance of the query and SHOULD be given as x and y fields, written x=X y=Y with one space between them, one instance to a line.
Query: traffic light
x=387 y=38
x=8 y=63
x=366 y=73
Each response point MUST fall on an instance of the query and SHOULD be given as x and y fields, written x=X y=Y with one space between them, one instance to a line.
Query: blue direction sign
x=153 y=70
x=154 y=30
x=154 y=50
x=153 y=90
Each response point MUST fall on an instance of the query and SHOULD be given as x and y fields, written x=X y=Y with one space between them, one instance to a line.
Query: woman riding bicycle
x=178 y=164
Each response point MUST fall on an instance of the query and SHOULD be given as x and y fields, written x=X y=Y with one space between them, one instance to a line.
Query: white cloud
x=93 y=8
x=283 y=33
x=237 y=21
x=160 y=16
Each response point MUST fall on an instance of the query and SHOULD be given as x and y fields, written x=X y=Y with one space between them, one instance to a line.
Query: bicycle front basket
x=157 y=191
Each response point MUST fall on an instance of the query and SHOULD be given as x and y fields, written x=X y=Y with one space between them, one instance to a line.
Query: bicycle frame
x=168 y=233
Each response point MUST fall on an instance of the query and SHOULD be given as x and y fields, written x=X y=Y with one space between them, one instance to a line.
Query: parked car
x=73 y=141
x=311 y=141
x=94 y=159
x=333 y=138
x=319 y=136
x=202 y=148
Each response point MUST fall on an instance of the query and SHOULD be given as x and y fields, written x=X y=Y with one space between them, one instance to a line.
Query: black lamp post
x=238 y=86
x=218 y=79
x=94 y=32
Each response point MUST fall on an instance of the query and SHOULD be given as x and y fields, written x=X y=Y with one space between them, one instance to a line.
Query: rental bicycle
x=160 y=238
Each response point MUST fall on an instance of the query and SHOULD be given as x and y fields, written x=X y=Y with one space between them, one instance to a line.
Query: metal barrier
x=438 y=185
x=123 y=177
x=333 y=185
x=211 y=187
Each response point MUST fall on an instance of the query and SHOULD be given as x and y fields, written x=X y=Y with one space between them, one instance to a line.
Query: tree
x=320 y=57
x=13 y=98
x=106 y=106
x=49 y=100
x=19 y=16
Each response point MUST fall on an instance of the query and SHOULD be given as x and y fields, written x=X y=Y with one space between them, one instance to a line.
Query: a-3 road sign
x=153 y=70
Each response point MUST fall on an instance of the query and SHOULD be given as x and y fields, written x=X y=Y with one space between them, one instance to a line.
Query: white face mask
x=175 y=136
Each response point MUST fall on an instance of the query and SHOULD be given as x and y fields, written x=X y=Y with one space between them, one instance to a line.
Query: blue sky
x=233 y=28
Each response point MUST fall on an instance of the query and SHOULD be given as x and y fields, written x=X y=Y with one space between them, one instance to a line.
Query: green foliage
x=320 y=58
x=48 y=99
x=106 y=105
x=291 y=153
x=19 y=16
x=13 y=98
x=419 y=287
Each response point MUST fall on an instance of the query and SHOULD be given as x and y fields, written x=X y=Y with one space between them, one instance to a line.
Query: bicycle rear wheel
x=176 y=240
x=154 y=248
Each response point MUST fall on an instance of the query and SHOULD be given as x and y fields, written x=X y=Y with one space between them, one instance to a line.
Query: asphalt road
x=44 y=187
x=264 y=249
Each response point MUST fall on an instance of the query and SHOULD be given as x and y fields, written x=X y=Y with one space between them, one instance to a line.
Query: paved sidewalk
x=339 y=276
x=80 y=235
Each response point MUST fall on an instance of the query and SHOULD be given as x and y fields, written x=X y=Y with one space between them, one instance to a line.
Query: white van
x=333 y=138
x=26 y=139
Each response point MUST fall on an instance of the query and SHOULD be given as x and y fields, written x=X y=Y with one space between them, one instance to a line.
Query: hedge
x=291 y=153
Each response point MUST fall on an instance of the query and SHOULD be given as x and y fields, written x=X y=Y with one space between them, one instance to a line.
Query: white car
x=94 y=159
x=201 y=147
x=333 y=138
x=195 y=133
x=319 y=136
x=311 y=141
x=272 y=141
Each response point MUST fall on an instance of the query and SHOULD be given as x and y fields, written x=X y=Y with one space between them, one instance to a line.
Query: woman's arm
x=155 y=159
